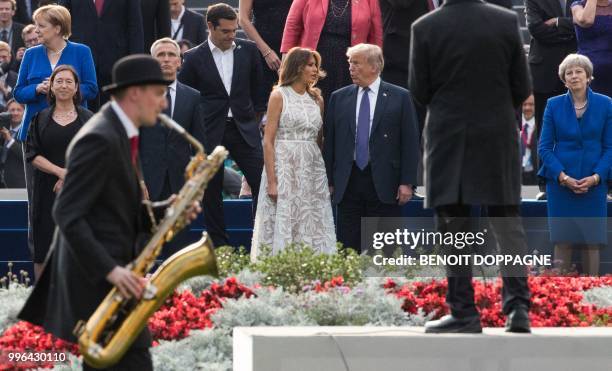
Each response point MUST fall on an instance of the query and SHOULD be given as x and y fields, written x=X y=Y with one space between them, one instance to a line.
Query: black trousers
x=250 y=161
x=510 y=236
x=360 y=201
x=134 y=359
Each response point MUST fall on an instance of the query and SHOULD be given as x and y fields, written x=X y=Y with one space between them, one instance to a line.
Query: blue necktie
x=363 y=131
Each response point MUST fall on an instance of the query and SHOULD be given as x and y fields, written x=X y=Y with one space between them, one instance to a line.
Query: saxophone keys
x=150 y=291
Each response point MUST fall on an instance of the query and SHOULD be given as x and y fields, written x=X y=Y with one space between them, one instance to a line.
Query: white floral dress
x=302 y=213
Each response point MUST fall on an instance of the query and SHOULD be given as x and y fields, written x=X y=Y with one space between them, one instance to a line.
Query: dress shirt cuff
x=10 y=144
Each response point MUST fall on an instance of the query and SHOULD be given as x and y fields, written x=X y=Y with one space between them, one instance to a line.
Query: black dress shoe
x=450 y=324
x=518 y=320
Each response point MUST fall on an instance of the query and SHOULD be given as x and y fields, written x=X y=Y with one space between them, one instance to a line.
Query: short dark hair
x=220 y=11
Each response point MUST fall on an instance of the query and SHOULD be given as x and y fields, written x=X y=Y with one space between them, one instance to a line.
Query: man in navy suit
x=111 y=28
x=371 y=145
x=228 y=73
x=164 y=154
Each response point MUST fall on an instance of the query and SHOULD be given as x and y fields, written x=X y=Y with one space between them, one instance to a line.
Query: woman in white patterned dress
x=294 y=206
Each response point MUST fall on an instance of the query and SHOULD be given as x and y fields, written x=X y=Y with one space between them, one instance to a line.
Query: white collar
x=16 y=129
x=173 y=85
x=180 y=17
x=212 y=46
x=373 y=86
x=530 y=121
x=128 y=124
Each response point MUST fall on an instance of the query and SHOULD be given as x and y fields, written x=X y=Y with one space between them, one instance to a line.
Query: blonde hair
x=576 y=60
x=292 y=66
x=165 y=40
x=373 y=54
x=57 y=15
x=5 y=46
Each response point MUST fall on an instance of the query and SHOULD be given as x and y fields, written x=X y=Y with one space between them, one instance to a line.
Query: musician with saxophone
x=101 y=220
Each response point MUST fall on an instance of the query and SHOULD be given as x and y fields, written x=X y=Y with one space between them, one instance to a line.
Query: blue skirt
x=577 y=218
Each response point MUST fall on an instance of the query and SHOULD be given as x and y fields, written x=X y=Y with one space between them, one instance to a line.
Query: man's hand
x=61 y=174
x=551 y=22
x=404 y=194
x=58 y=186
x=193 y=211
x=128 y=284
x=6 y=135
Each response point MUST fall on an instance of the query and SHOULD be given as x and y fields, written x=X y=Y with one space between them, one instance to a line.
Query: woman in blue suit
x=576 y=151
x=53 y=28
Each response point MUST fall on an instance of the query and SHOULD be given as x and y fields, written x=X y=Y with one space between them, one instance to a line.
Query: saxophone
x=113 y=327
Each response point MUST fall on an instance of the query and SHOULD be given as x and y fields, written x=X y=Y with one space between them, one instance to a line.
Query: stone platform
x=409 y=348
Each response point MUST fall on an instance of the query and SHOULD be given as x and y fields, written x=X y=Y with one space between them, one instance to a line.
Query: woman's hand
x=588 y=182
x=58 y=186
x=272 y=191
x=43 y=87
x=273 y=60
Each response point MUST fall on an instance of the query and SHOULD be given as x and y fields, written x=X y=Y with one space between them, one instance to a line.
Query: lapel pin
x=384 y=94
x=239 y=46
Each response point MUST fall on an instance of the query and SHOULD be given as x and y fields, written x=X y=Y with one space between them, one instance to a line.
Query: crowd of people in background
x=56 y=55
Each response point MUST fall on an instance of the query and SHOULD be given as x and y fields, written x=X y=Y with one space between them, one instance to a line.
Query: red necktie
x=525 y=135
x=134 y=149
x=99 y=5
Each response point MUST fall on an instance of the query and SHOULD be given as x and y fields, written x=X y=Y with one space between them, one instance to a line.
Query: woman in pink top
x=331 y=27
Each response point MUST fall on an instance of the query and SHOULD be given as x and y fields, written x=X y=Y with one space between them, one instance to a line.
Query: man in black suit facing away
x=186 y=24
x=111 y=28
x=228 y=73
x=11 y=155
x=164 y=153
x=155 y=21
x=472 y=79
x=371 y=145
x=101 y=224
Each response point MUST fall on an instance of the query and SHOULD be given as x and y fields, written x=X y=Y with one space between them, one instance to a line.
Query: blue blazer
x=35 y=68
x=394 y=140
x=580 y=149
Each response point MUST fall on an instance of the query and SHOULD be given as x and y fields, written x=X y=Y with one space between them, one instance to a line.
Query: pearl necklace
x=51 y=52
x=583 y=106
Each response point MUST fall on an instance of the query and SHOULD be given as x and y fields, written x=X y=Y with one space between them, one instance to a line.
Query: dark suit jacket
x=394 y=140
x=99 y=220
x=11 y=161
x=194 y=28
x=164 y=153
x=21 y=14
x=11 y=80
x=397 y=17
x=200 y=72
x=116 y=34
x=549 y=44
x=17 y=40
x=155 y=21
x=472 y=79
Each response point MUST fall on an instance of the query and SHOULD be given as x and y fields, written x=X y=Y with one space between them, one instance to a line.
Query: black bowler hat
x=136 y=69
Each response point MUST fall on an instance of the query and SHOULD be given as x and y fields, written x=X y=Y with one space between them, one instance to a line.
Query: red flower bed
x=555 y=301
x=184 y=311
x=31 y=342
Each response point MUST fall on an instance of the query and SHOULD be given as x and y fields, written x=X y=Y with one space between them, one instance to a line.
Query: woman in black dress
x=50 y=132
x=266 y=30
